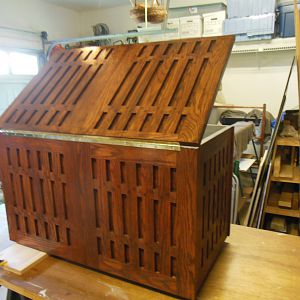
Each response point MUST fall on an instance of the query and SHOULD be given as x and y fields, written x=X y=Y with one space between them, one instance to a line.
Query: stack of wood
x=282 y=205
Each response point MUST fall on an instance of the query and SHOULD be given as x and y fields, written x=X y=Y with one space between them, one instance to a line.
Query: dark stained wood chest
x=104 y=161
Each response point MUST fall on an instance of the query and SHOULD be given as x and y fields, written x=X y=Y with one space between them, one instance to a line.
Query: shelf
x=283 y=212
x=288 y=141
x=277 y=44
x=295 y=179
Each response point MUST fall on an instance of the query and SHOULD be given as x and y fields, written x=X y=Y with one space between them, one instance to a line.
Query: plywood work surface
x=254 y=264
x=19 y=259
x=156 y=91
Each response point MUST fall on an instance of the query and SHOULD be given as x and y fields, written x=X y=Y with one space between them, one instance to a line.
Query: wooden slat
x=133 y=212
x=19 y=259
x=38 y=210
x=175 y=80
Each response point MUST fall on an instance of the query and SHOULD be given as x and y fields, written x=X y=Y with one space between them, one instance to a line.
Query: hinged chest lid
x=160 y=91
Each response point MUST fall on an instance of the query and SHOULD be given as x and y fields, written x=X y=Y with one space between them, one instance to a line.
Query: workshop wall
x=117 y=18
x=35 y=15
x=250 y=79
x=254 y=79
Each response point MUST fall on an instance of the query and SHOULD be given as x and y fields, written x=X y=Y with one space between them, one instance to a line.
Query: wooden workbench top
x=254 y=264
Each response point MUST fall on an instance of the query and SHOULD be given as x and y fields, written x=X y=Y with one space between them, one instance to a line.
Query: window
x=23 y=64
x=4 y=64
x=18 y=63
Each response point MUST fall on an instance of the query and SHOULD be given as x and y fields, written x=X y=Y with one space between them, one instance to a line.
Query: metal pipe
x=110 y=36
x=104 y=37
x=25 y=50
x=20 y=30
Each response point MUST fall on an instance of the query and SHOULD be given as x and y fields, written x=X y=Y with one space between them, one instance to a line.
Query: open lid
x=161 y=91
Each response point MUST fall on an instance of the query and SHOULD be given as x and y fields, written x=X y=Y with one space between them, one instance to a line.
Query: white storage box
x=213 y=23
x=191 y=26
x=173 y=24
x=242 y=8
x=151 y=38
x=251 y=28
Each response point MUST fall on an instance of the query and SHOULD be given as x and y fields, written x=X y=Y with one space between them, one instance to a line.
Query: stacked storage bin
x=250 y=20
x=286 y=19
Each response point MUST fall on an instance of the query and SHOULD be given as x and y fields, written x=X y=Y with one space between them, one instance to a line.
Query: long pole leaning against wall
x=297 y=33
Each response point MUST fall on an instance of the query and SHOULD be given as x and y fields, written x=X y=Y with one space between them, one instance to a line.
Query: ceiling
x=88 y=4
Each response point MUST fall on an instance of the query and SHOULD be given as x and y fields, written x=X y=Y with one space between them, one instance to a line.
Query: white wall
x=250 y=79
x=9 y=90
x=117 y=18
x=31 y=15
x=36 y=15
x=254 y=79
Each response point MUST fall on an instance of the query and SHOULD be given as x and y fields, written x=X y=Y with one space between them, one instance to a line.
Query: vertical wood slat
x=164 y=221
x=146 y=173
x=104 y=207
x=133 y=229
x=186 y=220
x=117 y=209
x=28 y=195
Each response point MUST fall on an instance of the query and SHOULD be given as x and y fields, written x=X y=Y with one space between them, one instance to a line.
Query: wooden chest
x=105 y=161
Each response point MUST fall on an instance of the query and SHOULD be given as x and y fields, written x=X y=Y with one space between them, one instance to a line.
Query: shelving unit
x=277 y=44
x=294 y=179
x=283 y=187
x=295 y=213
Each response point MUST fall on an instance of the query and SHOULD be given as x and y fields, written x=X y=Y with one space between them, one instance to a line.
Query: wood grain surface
x=156 y=217
x=157 y=91
x=19 y=259
x=146 y=215
x=254 y=264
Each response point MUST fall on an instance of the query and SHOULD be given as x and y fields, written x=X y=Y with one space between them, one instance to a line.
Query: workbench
x=254 y=264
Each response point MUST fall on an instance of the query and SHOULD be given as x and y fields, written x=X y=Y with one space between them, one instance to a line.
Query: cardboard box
x=213 y=23
x=191 y=26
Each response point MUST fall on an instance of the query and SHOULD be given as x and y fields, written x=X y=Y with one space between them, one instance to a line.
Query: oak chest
x=105 y=161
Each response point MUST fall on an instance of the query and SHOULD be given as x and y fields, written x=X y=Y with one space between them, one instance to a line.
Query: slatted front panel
x=39 y=198
x=134 y=214
x=161 y=91
x=215 y=196
x=156 y=217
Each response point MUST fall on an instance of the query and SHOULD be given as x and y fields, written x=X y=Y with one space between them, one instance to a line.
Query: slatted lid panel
x=159 y=91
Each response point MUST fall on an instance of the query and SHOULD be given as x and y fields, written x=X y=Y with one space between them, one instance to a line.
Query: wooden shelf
x=283 y=212
x=295 y=179
x=288 y=141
